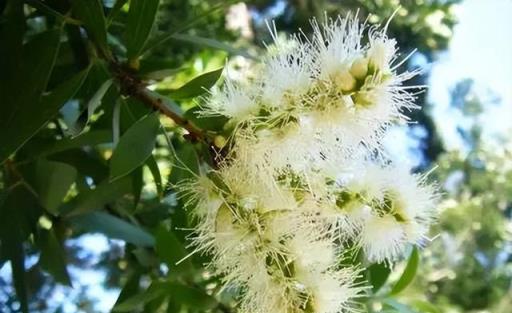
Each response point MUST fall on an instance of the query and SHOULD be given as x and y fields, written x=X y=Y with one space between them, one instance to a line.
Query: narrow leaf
x=378 y=273
x=53 y=257
x=112 y=227
x=31 y=117
x=424 y=306
x=137 y=184
x=18 y=214
x=409 y=272
x=130 y=288
x=135 y=146
x=199 y=41
x=95 y=101
x=196 y=86
x=212 y=43
x=21 y=113
x=211 y=123
x=91 y=138
x=94 y=199
x=53 y=180
x=399 y=307
x=116 y=126
x=141 y=18
x=170 y=250
x=86 y=164
x=115 y=10
x=157 y=177
x=192 y=297
x=186 y=163
x=90 y=12
x=154 y=291
x=40 y=5
x=17 y=257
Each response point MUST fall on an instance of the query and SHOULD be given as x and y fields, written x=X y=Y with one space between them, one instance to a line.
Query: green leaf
x=95 y=101
x=378 y=274
x=157 y=177
x=399 y=307
x=12 y=30
x=130 y=288
x=90 y=12
x=199 y=41
x=137 y=184
x=135 y=146
x=212 y=43
x=192 y=297
x=19 y=212
x=171 y=251
x=38 y=4
x=141 y=18
x=211 y=123
x=166 y=101
x=27 y=121
x=153 y=292
x=40 y=55
x=94 y=199
x=112 y=227
x=424 y=306
x=186 y=163
x=53 y=181
x=91 y=138
x=16 y=255
x=23 y=112
x=196 y=86
x=116 y=122
x=409 y=272
x=86 y=164
x=118 y=6
x=53 y=257
x=159 y=74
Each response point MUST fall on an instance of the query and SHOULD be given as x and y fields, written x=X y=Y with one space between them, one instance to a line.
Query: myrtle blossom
x=305 y=181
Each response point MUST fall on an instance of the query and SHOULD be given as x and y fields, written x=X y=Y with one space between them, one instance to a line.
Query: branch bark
x=132 y=86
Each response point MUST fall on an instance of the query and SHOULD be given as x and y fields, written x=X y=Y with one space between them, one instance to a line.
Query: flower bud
x=219 y=141
x=359 y=68
x=134 y=64
x=364 y=98
x=344 y=81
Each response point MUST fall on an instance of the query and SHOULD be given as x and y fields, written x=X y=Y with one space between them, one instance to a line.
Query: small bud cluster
x=302 y=187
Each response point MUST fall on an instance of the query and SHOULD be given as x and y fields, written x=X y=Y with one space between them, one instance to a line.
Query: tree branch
x=132 y=86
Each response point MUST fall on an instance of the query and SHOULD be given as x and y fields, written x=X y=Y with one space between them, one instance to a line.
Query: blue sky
x=481 y=49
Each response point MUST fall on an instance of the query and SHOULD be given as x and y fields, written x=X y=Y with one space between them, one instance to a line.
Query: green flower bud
x=219 y=141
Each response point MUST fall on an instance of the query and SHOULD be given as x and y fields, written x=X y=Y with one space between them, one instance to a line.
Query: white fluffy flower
x=286 y=77
x=306 y=180
x=233 y=100
x=331 y=93
x=392 y=207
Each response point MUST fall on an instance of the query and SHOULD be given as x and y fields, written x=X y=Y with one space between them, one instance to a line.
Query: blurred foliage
x=81 y=154
x=468 y=268
x=425 y=25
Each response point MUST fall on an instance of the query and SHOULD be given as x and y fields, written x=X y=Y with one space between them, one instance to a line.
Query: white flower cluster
x=305 y=183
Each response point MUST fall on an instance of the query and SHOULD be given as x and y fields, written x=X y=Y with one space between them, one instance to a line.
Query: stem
x=134 y=87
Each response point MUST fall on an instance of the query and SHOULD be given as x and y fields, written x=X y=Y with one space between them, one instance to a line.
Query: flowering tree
x=278 y=180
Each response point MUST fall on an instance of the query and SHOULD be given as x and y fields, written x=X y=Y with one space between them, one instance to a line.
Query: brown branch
x=132 y=86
